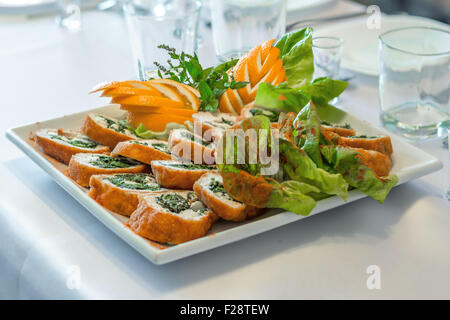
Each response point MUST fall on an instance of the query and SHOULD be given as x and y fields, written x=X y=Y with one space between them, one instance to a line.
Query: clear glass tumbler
x=414 y=83
x=155 y=22
x=69 y=15
x=240 y=25
x=327 y=56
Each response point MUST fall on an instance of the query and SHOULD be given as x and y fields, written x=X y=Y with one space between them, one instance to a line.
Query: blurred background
x=70 y=45
x=436 y=9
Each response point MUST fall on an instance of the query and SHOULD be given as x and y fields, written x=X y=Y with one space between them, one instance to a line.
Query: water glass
x=240 y=25
x=327 y=56
x=447 y=193
x=156 y=22
x=414 y=83
x=69 y=15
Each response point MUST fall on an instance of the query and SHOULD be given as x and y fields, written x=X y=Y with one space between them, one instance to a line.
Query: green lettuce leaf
x=292 y=196
x=227 y=151
x=323 y=90
x=310 y=121
x=345 y=161
x=287 y=99
x=244 y=182
x=262 y=192
x=299 y=166
x=297 y=55
x=142 y=132
x=280 y=97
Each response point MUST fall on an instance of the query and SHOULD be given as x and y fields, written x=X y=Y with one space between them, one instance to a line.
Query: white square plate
x=409 y=163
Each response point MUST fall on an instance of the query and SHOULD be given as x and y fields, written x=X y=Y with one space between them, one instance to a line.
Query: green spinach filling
x=76 y=142
x=108 y=162
x=157 y=145
x=335 y=125
x=118 y=126
x=363 y=136
x=191 y=137
x=173 y=202
x=138 y=181
x=139 y=142
x=225 y=121
x=191 y=166
x=217 y=187
x=161 y=147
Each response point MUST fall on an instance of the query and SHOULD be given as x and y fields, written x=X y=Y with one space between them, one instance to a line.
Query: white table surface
x=46 y=236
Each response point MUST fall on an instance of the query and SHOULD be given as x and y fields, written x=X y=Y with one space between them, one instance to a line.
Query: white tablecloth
x=51 y=247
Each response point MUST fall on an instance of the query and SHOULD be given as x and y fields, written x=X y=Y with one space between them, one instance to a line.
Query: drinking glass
x=414 y=83
x=156 y=22
x=240 y=25
x=69 y=15
x=327 y=56
x=447 y=194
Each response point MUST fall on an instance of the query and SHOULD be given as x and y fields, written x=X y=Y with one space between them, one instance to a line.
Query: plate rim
x=250 y=228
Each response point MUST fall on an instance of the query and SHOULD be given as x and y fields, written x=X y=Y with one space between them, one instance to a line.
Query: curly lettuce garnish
x=297 y=55
x=347 y=162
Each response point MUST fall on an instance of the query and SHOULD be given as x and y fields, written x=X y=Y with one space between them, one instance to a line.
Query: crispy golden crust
x=116 y=199
x=63 y=152
x=377 y=161
x=221 y=208
x=173 y=178
x=164 y=227
x=190 y=150
x=101 y=134
x=211 y=133
x=344 y=132
x=380 y=144
x=82 y=173
x=247 y=188
x=142 y=153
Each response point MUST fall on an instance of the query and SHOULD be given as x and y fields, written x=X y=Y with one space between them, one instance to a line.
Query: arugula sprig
x=211 y=82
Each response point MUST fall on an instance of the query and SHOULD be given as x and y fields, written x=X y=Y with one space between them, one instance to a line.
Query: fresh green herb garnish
x=211 y=82
x=134 y=182
x=173 y=202
x=108 y=162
